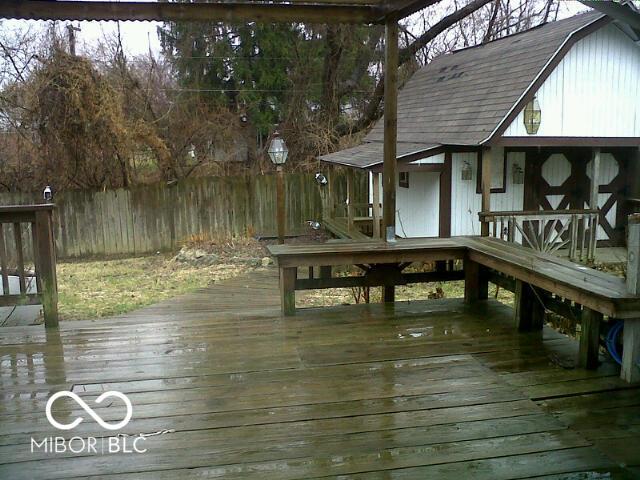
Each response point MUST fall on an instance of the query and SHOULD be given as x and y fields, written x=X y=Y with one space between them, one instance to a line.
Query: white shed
x=549 y=106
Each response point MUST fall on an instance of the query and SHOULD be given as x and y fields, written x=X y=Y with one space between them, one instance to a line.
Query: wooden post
x=486 y=188
x=444 y=227
x=351 y=195
x=376 y=204
x=325 y=271
x=529 y=312
x=476 y=283
x=631 y=344
x=45 y=258
x=589 y=339
x=593 y=204
x=288 y=290
x=390 y=129
x=280 y=203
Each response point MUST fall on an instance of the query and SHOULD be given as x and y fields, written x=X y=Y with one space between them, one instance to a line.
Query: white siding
x=593 y=92
x=432 y=159
x=418 y=207
x=466 y=203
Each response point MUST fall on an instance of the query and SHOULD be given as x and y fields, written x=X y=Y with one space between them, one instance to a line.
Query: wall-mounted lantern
x=518 y=174
x=321 y=179
x=47 y=194
x=467 y=172
x=532 y=116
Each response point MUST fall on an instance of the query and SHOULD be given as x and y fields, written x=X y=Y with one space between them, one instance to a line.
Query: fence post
x=631 y=345
x=45 y=258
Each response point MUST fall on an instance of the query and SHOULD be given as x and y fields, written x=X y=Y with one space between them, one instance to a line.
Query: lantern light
x=315 y=225
x=278 y=151
x=321 y=179
x=532 y=117
x=47 y=194
x=518 y=174
x=467 y=172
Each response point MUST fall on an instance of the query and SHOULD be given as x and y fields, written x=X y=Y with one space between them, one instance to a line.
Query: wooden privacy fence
x=160 y=217
x=37 y=222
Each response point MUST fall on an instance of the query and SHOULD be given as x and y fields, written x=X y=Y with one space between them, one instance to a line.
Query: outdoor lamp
x=467 y=172
x=532 y=116
x=315 y=225
x=321 y=179
x=278 y=151
x=518 y=174
x=47 y=194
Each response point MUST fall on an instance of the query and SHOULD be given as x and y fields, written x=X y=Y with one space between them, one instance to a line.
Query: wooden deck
x=419 y=390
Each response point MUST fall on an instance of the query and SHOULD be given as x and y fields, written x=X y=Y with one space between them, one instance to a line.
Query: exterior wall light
x=467 y=172
x=518 y=174
x=532 y=116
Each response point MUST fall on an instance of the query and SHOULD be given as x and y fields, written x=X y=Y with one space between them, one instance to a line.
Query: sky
x=139 y=37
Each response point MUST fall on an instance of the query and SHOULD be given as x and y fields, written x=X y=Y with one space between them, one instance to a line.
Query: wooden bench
x=540 y=281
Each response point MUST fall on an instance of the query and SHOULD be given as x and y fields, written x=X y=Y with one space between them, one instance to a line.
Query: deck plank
x=431 y=389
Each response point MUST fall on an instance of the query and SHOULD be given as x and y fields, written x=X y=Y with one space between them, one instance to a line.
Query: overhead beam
x=239 y=11
x=403 y=8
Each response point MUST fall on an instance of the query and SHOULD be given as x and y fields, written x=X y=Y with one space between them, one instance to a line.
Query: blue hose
x=611 y=341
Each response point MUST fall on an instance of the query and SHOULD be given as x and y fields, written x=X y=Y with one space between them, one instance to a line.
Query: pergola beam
x=353 y=11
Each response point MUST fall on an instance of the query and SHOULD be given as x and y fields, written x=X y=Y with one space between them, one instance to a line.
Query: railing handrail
x=26 y=208
x=536 y=213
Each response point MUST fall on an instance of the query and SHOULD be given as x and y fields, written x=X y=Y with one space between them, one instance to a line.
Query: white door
x=418 y=206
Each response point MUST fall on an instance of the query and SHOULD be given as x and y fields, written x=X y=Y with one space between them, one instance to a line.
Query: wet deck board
x=424 y=390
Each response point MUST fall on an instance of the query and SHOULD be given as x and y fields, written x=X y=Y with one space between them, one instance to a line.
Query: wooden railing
x=14 y=222
x=548 y=230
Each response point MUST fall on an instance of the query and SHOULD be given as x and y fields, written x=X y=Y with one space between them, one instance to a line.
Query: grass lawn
x=418 y=291
x=101 y=288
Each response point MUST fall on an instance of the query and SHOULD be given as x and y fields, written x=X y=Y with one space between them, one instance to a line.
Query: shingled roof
x=461 y=98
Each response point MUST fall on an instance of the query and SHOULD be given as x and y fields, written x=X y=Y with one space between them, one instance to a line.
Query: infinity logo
x=89 y=410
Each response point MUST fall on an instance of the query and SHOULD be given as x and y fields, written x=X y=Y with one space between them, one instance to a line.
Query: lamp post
x=278 y=152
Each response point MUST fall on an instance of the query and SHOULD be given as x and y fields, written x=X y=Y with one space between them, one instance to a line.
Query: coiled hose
x=611 y=341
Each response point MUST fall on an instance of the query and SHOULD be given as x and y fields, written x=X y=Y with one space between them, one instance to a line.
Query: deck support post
x=388 y=294
x=325 y=271
x=529 y=312
x=589 y=339
x=390 y=128
x=288 y=277
x=631 y=344
x=486 y=188
x=375 y=208
x=45 y=261
x=476 y=282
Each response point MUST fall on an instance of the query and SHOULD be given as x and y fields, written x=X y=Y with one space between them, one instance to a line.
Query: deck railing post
x=375 y=209
x=45 y=259
x=486 y=189
x=631 y=344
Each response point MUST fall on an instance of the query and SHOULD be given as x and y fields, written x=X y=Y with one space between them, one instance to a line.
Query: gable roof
x=463 y=97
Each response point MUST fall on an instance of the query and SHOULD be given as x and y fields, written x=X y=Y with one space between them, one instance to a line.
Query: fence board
x=159 y=217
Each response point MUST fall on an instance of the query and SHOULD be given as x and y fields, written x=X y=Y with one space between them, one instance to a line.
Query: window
x=498 y=171
x=404 y=179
